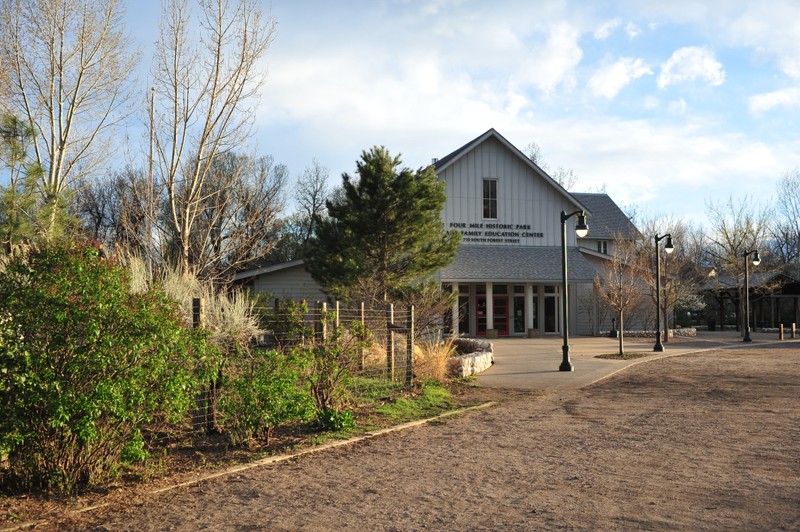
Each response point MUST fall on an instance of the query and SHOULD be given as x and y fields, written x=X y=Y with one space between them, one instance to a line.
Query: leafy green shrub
x=333 y=361
x=264 y=391
x=84 y=365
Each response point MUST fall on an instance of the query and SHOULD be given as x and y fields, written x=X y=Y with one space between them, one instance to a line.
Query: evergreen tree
x=383 y=231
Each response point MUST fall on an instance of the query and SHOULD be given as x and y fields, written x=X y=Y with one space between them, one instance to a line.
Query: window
x=602 y=246
x=490 y=198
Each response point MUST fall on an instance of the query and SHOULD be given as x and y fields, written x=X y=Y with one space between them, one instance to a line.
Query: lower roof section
x=517 y=264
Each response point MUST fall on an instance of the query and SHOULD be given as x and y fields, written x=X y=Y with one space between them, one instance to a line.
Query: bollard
x=794 y=331
x=780 y=332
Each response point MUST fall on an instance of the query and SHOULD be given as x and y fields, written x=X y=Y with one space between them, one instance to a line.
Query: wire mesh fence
x=359 y=352
x=385 y=353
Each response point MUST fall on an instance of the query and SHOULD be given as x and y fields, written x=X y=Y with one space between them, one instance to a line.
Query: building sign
x=494 y=233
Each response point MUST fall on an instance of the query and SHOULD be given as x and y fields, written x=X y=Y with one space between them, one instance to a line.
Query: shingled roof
x=529 y=264
x=607 y=220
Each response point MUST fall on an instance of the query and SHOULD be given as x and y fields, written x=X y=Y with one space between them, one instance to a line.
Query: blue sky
x=665 y=105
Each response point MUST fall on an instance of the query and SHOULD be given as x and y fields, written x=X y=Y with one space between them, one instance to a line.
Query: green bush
x=263 y=391
x=333 y=362
x=84 y=365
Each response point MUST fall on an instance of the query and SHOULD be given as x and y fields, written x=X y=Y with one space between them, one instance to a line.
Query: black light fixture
x=669 y=248
x=756 y=262
x=581 y=229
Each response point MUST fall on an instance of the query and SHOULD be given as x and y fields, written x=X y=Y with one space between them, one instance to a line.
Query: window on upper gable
x=490 y=199
x=602 y=246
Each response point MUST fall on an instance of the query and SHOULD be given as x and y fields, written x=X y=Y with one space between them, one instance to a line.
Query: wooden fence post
x=321 y=322
x=410 y=346
x=208 y=398
x=390 y=341
x=363 y=351
x=198 y=312
x=336 y=315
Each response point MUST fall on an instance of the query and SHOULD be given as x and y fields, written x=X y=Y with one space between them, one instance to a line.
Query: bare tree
x=565 y=177
x=206 y=77
x=681 y=279
x=620 y=284
x=311 y=194
x=786 y=228
x=68 y=63
x=113 y=212
x=237 y=221
x=736 y=227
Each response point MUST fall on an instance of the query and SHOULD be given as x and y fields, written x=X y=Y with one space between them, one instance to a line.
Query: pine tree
x=383 y=231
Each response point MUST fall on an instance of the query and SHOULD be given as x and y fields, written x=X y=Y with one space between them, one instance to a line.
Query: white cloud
x=691 y=63
x=632 y=30
x=771 y=28
x=678 y=107
x=552 y=64
x=770 y=100
x=605 y=30
x=608 y=81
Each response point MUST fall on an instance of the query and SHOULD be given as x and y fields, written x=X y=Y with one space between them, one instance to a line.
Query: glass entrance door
x=519 y=314
x=551 y=322
x=501 y=317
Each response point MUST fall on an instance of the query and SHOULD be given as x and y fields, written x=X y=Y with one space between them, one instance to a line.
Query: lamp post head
x=756 y=258
x=581 y=228
x=668 y=247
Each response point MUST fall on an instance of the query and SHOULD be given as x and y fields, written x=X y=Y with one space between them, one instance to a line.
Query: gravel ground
x=700 y=441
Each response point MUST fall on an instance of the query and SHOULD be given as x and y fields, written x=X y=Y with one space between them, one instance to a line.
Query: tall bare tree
x=681 y=278
x=207 y=75
x=786 y=228
x=737 y=226
x=68 y=66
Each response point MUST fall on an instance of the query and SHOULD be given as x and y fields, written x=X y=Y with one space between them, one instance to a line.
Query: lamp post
x=668 y=248
x=756 y=262
x=581 y=229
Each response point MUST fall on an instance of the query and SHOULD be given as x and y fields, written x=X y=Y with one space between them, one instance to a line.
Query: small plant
x=431 y=358
x=333 y=361
x=334 y=420
x=263 y=392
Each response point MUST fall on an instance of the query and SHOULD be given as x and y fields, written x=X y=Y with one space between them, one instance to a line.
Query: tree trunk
x=621 y=335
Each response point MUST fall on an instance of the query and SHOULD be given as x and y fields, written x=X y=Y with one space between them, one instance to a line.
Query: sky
x=664 y=105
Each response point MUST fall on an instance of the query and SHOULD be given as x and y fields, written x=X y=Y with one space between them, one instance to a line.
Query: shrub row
x=86 y=366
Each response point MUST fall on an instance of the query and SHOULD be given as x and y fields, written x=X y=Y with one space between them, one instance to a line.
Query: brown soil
x=702 y=441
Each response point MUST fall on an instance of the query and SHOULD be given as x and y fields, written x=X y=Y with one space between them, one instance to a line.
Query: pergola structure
x=774 y=299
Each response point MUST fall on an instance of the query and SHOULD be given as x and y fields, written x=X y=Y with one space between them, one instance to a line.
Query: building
x=288 y=280
x=507 y=270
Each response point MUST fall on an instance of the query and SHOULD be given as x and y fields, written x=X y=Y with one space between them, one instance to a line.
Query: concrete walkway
x=533 y=363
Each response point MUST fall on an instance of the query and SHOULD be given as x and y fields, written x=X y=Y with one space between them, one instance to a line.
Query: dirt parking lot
x=700 y=441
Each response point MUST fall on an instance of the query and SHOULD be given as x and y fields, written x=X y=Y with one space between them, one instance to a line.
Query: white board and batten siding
x=528 y=204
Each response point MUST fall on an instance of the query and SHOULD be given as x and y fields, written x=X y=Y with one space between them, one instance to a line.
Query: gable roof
x=607 y=220
x=249 y=274
x=451 y=158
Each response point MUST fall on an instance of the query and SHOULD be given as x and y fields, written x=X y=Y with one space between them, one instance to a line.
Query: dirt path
x=705 y=441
